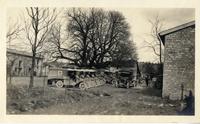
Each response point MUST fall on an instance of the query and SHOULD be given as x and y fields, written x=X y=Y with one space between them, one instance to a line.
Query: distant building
x=19 y=63
x=179 y=60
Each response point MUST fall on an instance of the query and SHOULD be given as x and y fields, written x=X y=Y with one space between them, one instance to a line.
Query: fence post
x=182 y=88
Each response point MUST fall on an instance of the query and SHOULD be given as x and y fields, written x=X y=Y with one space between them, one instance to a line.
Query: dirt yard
x=102 y=100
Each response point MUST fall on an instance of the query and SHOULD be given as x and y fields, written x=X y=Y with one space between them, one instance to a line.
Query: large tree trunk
x=160 y=53
x=32 y=72
x=37 y=28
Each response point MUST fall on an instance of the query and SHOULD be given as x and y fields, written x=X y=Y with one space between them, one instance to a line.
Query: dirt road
x=107 y=100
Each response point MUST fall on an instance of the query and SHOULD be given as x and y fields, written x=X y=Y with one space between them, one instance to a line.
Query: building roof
x=22 y=53
x=175 y=29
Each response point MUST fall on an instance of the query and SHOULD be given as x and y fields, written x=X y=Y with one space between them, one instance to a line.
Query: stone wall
x=179 y=63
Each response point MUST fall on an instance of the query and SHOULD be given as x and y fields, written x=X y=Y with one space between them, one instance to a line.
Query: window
x=19 y=72
x=35 y=73
x=37 y=63
x=20 y=63
x=60 y=73
x=16 y=69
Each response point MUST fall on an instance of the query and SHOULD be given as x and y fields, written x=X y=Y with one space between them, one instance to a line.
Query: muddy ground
x=102 y=100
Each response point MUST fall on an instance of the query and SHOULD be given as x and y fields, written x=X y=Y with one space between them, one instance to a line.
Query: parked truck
x=81 y=78
x=87 y=78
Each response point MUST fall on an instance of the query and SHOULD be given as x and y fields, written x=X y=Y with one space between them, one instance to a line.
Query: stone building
x=19 y=63
x=179 y=60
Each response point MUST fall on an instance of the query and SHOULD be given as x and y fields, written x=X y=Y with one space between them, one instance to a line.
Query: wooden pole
x=182 y=88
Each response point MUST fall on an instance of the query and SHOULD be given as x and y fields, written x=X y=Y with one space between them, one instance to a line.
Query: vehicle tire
x=82 y=86
x=49 y=83
x=113 y=82
x=59 y=84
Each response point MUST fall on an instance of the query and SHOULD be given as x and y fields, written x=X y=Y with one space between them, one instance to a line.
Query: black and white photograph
x=100 y=61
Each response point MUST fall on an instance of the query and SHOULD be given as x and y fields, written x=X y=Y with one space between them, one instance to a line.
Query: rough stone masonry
x=179 y=61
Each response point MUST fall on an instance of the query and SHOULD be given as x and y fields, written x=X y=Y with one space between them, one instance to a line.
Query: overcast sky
x=138 y=21
x=140 y=27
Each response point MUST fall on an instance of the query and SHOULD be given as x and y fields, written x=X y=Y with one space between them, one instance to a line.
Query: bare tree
x=115 y=31
x=79 y=27
x=37 y=28
x=125 y=52
x=94 y=35
x=57 y=47
x=155 y=44
x=13 y=32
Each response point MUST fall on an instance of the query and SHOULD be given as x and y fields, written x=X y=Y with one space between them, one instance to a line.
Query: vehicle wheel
x=59 y=84
x=113 y=82
x=49 y=83
x=82 y=86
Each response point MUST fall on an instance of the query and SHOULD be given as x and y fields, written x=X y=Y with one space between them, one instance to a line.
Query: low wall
x=38 y=81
